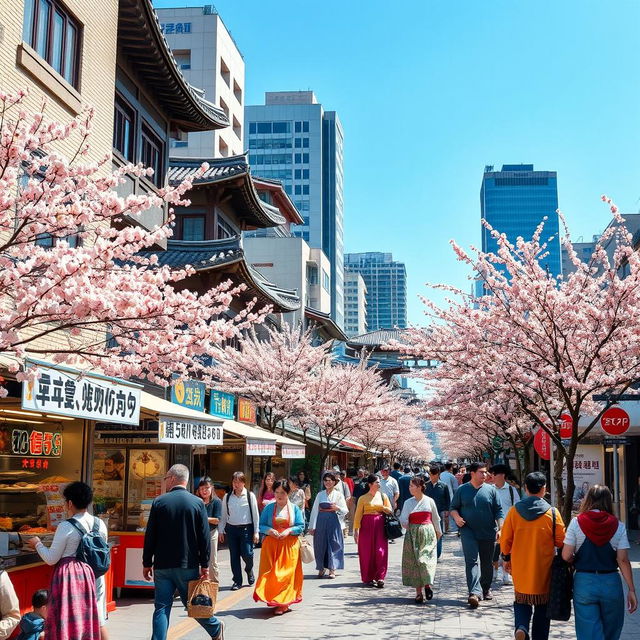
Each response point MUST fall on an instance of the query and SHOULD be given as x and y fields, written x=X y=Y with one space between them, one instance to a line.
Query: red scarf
x=598 y=526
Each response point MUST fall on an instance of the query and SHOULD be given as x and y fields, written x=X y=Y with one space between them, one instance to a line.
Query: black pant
x=240 y=543
x=541 y=624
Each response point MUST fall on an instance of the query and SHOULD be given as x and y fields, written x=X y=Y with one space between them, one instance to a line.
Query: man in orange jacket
x=528 y=544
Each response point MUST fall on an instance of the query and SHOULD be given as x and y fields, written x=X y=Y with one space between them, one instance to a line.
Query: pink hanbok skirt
x=373 y=548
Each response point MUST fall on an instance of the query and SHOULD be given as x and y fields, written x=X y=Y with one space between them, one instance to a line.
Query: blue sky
x=429 y=92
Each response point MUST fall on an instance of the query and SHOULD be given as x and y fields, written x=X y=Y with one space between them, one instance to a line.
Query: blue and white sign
x=175 y=27
x=222 y=404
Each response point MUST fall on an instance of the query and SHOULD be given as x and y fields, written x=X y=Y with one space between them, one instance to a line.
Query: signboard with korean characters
x=264 y=448
x=188 y=393
x=542 y=444
x=293 y=451
x=246 y=411
x=180 y=431
x=588 y=469
x=222 y=404
x=615 y=421
x=81 y=396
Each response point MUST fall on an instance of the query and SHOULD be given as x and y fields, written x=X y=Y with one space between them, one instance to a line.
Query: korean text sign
x=176 y=431
x=222 y=404
x=188 y=393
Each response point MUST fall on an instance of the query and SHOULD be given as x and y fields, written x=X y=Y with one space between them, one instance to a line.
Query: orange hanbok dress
x=279 y=582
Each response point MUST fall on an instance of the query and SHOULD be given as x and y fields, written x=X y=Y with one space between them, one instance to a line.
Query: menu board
x=56 y=503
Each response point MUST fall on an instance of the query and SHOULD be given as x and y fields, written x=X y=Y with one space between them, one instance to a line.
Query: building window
x=124 y=126
x=193 y=227
x=225 y=72
x=298 y=143
x=253 y=127
x=305 y=174
x=152 y=154
x=50 y=30
x=326 y=281
x=224 y=107
x=237 y=127
x=237 y=91
x=305 y=158
x=305 y=236
x=281 y=127
x=305 y=143
x=305 y=189
x=298 y=190
x=183 y=58
x=264 y=127
x=223 y=229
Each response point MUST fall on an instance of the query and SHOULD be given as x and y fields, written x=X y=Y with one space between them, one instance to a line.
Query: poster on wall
x=261 y=447
x=588 y=469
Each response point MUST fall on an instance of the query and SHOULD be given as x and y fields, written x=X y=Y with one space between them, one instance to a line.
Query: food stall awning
x=248 y=431
x=153 y=404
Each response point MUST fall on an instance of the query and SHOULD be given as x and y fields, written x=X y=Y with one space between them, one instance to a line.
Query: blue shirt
x=480 y=509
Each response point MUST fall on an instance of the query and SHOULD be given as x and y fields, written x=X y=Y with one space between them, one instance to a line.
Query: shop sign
x=542 y=444
x=188 y=393
x=615 y=421
x=566 y=426
x=246 y=411
x=175 y=27
x=176 y=431
x=222 y=404
x=56 y=503
x=261 y=447
x=291 y=451
x=33 y=443
x=588 y=467
x=81 y=396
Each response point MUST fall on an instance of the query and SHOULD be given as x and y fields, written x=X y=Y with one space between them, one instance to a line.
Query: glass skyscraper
x=514 y=201
x=291 y=138
x=386 y=282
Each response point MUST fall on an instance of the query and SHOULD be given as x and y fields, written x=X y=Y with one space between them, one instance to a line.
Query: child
x=32 y=623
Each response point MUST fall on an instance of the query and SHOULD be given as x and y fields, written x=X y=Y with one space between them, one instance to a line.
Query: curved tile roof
x=140 y=38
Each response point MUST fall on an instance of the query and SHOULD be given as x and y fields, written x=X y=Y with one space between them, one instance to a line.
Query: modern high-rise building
x=209 y=59
x=514 y=201
x=293 y=139
x=355 y=304
x=386 y=282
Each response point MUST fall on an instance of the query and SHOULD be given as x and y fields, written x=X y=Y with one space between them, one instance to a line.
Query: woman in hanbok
x=279 y=582
x=419 y=555
x=326 y=524
x=368 y=532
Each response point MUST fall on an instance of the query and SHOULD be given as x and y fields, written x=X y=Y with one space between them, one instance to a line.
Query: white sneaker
x=499 y=575
x=507 y=579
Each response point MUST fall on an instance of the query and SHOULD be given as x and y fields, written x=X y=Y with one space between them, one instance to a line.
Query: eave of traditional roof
x=382 y=365
x=277 y=187
x=141 y=39
x=376 y=338
x=235 y=173
x=327 y=322
x=217 y=255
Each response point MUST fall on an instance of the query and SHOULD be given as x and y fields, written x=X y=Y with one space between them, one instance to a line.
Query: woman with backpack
x=77 y=606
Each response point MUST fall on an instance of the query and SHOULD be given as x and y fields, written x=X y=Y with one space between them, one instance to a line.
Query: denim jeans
x=598 y=601
x=439 y=547
x=166 y=581
x=479 y=578
x=522 y=615
x=240 y=543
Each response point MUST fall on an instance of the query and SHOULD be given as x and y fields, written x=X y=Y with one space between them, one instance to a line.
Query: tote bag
x=561 y=589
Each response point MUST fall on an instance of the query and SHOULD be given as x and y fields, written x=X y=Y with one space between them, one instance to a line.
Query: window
x=223 y=147
x=305 y=158
x=253 y=127
x=305 y=189
x=326 y=281
x=298 y=175
x=183 y=58
x=305 y=236
x=55 y=35
x=298 y=190
x=298 y=143
x=224 y=107
x=225 y=72
x=305 y=174
x=305 y=127
x=193 y=227
x=281 y=127
x=312 y=274
x=237 y=127
x=224 y=229
x=264 y=127
x=124 y=126
x=237 y=91
x=152 y=154
x=305 y=143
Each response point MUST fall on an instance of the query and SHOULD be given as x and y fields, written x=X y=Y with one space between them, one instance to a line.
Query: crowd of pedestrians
x=506 y=537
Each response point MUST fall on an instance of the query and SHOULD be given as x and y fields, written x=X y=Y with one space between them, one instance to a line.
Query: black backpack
x=93 y=548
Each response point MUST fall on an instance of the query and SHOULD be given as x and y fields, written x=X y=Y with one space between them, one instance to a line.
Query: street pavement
x=344 y=608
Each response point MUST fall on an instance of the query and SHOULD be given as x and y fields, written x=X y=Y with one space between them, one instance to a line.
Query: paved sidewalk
x=345 y=609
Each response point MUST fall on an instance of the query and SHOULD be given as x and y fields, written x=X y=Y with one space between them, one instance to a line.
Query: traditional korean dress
x=280 y=577
x=328 y=541
x=373 y=546
x=419 y=553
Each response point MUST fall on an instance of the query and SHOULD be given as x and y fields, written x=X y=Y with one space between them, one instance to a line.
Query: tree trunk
x=558 y=466
x=569 y=490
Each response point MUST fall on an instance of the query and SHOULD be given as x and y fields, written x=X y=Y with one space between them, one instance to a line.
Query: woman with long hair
x=326 y=524
x=419 y=554
x=596 y=543
x=266 y=495
x=75 y=611
x=213 y=505
x=368 y=532
x=280 y=578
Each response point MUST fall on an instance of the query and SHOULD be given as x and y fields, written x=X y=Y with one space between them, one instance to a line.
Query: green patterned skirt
x=419 y=556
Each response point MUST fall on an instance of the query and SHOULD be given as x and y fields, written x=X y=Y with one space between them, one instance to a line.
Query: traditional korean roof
x=383 y=365
x=226 y=255
x=327 y=322
x=285 y=204
x=377 y=338
x=141 y=40
x=235 y=174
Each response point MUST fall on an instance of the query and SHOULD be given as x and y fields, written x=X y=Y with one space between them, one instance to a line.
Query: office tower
x=209 y=59
x=386 y=282
x=293 y=139
x=355 y=304
x=514 y=201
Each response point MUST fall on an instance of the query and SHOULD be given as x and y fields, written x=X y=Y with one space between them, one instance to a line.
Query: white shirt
x=335 y=497
x=389 y=487
x=575 y=537
x=426 y=504
x=343 y=488
x=67 y=538
x=237 y=512
x=508 y=497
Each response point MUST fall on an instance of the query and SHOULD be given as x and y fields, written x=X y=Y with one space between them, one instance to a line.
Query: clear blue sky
x=429 y=92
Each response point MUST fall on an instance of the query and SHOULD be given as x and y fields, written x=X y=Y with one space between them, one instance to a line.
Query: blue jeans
x=479 y=578
x=240 y=543
x=598 y=601
x=439 y=547
x=522 y=615
x=166 y=581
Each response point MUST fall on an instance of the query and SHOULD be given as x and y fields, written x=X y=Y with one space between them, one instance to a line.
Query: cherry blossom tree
x=273 y=372
x=73 y=286
x=552 y=343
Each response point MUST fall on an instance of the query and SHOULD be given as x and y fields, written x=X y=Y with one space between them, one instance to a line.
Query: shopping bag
x=306 y=551
x=201 y=598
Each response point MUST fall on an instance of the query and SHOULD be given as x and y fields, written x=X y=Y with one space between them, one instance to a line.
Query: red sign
x=615 y=421
x=542 y=444
x=566 y=426
x=246 y=411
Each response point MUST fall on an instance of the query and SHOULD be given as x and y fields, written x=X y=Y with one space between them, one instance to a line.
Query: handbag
x=392 y=526
x=561 y=586
x=201 y=598
x=306 y=551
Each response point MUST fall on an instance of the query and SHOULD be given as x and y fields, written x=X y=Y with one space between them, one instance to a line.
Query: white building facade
x=210 y=60
x=355 y=304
